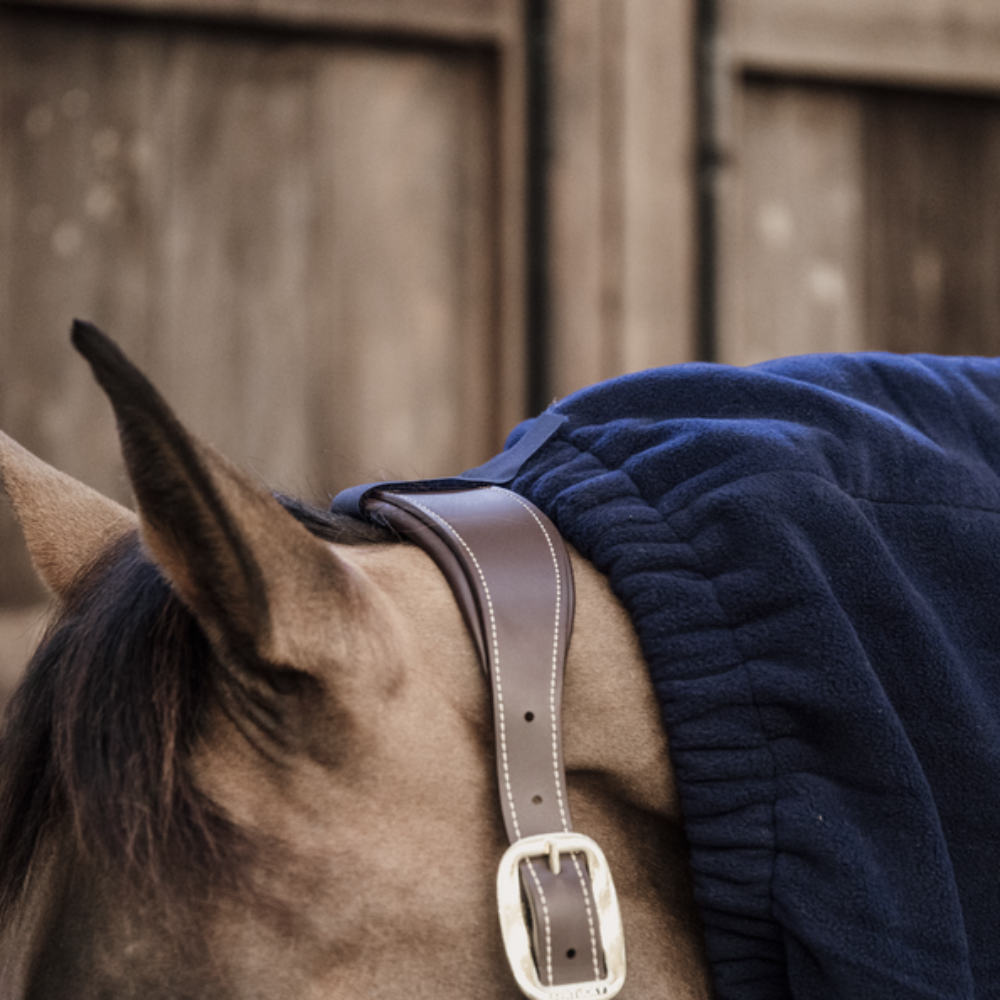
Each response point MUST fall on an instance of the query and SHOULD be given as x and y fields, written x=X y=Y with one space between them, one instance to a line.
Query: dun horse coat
x=253 y=756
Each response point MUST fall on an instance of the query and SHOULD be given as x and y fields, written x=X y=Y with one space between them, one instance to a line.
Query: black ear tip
x=113 y=370
x=98 y=348
x=124 y=383
x=85 y=335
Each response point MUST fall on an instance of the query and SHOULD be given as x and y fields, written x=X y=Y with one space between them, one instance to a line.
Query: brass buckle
x=516 y=938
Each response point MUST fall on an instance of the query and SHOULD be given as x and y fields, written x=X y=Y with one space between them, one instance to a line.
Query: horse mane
x=101 y=732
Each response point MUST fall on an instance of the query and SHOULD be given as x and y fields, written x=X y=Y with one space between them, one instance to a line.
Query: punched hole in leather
x=511 y=576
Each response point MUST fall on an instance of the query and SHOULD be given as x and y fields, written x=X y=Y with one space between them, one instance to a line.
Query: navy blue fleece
x=810 y=553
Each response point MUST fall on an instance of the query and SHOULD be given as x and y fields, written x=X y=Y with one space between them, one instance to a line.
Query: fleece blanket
x=809 y=550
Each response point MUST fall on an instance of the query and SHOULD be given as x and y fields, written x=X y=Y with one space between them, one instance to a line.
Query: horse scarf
x=809 y=550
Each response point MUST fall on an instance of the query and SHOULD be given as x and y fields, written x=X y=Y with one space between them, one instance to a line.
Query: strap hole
x=529 y=716
x=571 y=953
x=537 y=800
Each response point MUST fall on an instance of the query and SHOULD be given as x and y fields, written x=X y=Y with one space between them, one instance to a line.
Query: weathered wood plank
x=579 y=246
x=793 y=242
x=508 y=175
x=622 y=181
x=67 y=206
x=456 y=20
x=950 y=43
x=933 y=222
x=658 y=181
x=410 y=258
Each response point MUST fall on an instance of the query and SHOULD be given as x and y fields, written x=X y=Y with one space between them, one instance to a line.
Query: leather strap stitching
x=548 y=921
x=552 y=936
x=590 y=917
x=553 y=714
x=497 y=683
x=555 y=765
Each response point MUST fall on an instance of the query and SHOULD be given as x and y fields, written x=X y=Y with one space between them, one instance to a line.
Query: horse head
x=254 y=756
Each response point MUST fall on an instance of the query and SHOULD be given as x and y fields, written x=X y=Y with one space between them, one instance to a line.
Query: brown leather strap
x=511 y=575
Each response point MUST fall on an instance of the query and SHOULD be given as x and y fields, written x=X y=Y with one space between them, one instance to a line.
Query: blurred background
x=359 y=239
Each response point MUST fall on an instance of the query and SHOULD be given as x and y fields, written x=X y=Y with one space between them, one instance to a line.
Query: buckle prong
x=555 y=861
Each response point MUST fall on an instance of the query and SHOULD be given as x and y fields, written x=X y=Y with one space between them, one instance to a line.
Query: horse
x=253 y=754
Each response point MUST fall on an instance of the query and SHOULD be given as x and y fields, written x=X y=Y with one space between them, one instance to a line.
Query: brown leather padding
x=511 y=575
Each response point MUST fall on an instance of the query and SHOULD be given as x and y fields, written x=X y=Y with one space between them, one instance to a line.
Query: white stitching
x=590 y=917
x=560 y=798
x=548 y=924
x=556 y=771
x=555 y=747
x=496 y=661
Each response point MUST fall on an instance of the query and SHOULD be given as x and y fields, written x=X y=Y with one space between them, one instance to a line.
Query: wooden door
x=304 y=219
x=860 y=151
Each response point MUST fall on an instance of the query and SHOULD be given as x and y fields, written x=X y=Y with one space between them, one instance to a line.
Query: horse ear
x=240 y=562
x=66 y=524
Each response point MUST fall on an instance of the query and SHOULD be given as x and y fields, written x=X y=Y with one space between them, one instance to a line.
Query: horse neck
x=623 y=794
x=79 y=926
x=611 y=717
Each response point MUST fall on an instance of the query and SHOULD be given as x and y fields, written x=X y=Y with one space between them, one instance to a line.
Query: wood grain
x=792 y=270
x=940 y=43
x=860 y=218
x=622 y=217
x=858 y=198
x=580 y=246
x=468 y=21
x=298 y=237
x=932 y=163
x=507 y=216
x=658 y=181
